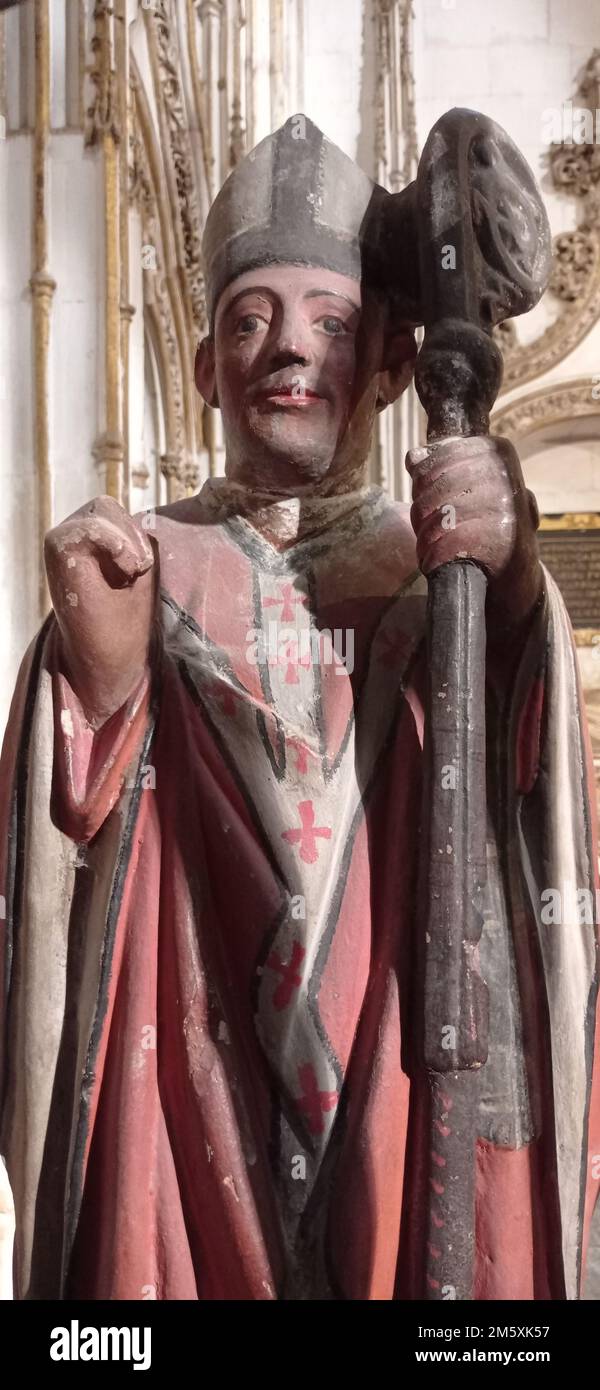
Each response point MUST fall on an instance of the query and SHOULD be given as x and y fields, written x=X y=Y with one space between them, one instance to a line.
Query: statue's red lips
x=286 y=395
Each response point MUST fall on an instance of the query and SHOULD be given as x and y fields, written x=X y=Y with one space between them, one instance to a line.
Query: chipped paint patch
x=66 y=723
x=228 y=1182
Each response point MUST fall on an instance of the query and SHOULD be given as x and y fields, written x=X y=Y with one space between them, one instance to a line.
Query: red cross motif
x=289 y=598
x=314 y=1102
x=290 y=659
x=395 y=646
x=290 y=977
x=306 y=836
x=302 y=753
x=226 y=695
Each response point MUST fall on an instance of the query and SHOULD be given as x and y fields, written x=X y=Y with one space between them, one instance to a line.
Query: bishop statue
x=211 y=814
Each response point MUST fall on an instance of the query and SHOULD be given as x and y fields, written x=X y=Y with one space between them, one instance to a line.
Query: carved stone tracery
x=201 y=97
x=576 y=256
x=102 y=115
x=576 y=168
x=170 y=98
x=538 y=409
x=575 y=281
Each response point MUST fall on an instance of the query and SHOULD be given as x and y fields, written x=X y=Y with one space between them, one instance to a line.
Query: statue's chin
x=278 y=455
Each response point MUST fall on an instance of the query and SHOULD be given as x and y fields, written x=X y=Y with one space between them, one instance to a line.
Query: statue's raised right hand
x=101 y=569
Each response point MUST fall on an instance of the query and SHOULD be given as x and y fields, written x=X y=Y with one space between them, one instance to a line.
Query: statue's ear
x=399 y=356
x=204 y=372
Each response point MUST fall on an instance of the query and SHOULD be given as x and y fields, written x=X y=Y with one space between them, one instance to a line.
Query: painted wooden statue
x=211 y=817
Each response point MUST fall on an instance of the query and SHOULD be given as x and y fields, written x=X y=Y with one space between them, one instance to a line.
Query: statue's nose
x=292 y=343
x=288 y=355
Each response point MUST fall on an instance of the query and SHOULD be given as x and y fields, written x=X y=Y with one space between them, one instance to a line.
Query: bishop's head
x=309 y=336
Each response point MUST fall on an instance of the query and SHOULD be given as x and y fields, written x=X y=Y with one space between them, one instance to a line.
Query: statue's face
x=295 y=367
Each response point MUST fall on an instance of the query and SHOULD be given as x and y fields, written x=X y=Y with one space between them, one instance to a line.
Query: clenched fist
x=470 y=502
x=101 y=572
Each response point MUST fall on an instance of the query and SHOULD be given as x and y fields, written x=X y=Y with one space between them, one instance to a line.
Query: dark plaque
x=573 y=558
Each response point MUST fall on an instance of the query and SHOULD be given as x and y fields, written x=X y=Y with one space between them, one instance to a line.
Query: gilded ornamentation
x=42 y=287
x=102 y=116
x=571 y=521
x=102 y=128
x=157 y=298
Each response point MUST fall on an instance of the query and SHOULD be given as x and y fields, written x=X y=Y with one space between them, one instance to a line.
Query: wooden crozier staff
x=485 y=254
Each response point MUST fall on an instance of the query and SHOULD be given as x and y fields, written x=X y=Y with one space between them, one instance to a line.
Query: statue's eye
x=248 y=324
x=333 y=326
